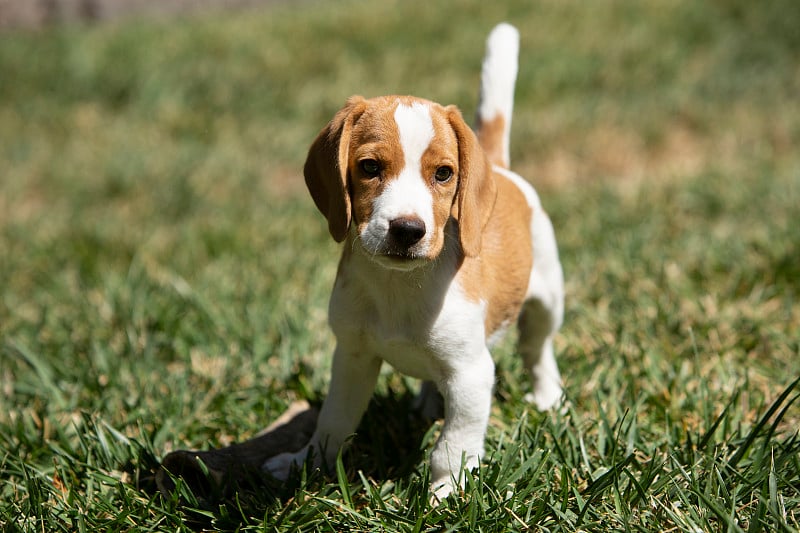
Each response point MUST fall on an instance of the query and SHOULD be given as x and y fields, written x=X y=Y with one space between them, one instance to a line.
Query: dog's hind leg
x=536 y=346
x=541 y=316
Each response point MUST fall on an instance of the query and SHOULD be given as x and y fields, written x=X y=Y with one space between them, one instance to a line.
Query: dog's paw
x=280 y=467
x=547 y=394
x=449 y=471
x=440 y=490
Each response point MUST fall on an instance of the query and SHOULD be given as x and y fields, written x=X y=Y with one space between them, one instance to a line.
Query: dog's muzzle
x=404 y=233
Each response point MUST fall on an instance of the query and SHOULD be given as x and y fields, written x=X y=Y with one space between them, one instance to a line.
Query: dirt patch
x=610 y=152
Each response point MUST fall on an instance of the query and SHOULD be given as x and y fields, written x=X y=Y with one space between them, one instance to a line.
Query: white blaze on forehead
x=416 y=131
x=406 y=194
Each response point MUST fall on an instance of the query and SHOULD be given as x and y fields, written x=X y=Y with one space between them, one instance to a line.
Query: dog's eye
x=370 y=167
x=443 y=174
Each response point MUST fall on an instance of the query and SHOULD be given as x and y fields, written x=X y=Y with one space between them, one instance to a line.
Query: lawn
x=164 y=275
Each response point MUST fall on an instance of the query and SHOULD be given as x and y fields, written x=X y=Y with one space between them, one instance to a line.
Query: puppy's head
x=397 y=169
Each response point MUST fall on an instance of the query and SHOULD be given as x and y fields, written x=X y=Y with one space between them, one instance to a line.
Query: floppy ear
x=477 y=190
x=326 y=168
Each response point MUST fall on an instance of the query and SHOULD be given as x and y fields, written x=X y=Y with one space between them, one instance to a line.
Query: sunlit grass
x=165 y=277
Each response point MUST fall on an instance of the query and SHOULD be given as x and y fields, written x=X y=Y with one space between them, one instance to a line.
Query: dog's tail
x=498 y=76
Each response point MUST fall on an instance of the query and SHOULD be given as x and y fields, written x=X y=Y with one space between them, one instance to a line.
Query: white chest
x=422 y=326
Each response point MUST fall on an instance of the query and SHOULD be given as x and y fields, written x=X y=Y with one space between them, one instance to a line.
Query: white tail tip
x=498 y=77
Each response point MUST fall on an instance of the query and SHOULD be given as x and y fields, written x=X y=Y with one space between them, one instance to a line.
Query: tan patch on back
x=490 y=137
x=499 y=275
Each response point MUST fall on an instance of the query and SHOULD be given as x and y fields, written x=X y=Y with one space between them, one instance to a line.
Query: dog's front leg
x=352 y=382
x=467 y=392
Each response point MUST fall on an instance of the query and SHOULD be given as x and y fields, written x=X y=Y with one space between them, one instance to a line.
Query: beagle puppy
x=444 y=249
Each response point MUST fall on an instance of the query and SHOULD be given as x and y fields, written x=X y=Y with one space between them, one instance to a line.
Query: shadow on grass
x=226 y=486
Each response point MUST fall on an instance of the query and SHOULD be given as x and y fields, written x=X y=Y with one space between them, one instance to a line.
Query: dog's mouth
x=401 y=254
x=397 y=259
x=391 y=252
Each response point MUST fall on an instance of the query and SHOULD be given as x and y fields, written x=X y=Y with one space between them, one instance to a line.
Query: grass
x=165 y=277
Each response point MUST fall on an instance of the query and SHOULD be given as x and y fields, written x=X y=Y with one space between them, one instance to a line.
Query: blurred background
x=42 y=13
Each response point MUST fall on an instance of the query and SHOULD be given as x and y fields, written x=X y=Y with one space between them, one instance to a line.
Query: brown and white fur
x=444 y=248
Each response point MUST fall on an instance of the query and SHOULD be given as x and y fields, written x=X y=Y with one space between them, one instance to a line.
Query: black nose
x=406 y=231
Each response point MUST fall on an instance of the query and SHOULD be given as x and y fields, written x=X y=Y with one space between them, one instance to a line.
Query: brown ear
x=326 y=168
x=477 y=190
